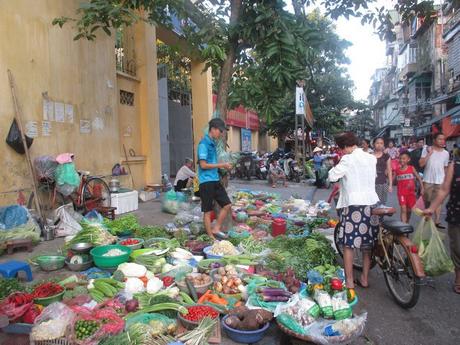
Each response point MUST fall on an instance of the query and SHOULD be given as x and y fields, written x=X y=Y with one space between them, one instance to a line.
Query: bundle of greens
x=302 y=254
x=151 y=231
x=122 y=224
x=8 y=286
x=94 y=233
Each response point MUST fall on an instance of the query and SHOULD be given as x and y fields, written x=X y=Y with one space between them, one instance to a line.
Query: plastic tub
x=244 y=337
x=193 y=324
x=50 y=262
x=102 y=261
x=204 y=266
x=200 y=289
x=209 y=255
x=48 y=300
x=132 y=246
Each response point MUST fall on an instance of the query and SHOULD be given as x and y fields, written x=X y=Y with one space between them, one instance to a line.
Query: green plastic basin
x=48 y=300
x=102 y=261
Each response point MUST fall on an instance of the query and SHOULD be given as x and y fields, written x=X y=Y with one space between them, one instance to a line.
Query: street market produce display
x=168 y=292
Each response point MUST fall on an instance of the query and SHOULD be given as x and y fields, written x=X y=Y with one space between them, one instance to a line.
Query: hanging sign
x=245 y=140
x=299 y=101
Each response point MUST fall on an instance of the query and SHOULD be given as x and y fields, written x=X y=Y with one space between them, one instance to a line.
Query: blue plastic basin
x=245 y=337
x=209 y=255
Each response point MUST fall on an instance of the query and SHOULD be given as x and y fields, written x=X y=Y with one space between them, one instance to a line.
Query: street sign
x=408 y=131
x=299 y=101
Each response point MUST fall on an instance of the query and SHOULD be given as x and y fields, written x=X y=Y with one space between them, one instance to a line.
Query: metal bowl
x=81 y=247
x=79 y=267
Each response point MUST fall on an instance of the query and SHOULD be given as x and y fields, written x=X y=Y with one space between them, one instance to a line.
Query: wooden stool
x=13 y=244
x=107 y=212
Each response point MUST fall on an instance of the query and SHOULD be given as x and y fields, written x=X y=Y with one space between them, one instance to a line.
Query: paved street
x=434 y=320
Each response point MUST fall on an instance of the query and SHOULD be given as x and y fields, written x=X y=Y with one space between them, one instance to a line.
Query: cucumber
x=191 y=289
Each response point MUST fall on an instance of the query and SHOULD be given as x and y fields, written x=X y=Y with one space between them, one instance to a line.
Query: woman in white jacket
x=356 y=172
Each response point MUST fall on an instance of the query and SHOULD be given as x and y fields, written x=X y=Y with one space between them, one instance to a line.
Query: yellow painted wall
x=129 y=132
x=45 y=59
x=234 y=139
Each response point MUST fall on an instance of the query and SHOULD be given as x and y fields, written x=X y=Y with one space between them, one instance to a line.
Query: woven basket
x=59 y=341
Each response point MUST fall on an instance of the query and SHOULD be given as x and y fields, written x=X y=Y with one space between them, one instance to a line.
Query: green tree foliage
x=226 y=33
x=362 y=121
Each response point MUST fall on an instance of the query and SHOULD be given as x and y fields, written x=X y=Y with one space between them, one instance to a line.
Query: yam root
x=246 y=319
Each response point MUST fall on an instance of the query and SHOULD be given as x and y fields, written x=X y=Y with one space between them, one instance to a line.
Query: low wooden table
x=14 y=244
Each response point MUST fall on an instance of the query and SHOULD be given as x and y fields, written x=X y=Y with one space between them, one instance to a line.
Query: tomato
x=167 y=281
x=129 y=242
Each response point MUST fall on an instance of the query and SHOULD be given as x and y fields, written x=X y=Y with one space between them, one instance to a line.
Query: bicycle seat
x=83 y=172
x=383 y=211
x=397 y=227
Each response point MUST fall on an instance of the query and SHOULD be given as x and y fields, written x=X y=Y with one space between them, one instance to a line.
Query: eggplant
x=275 y=298
x=274 y=292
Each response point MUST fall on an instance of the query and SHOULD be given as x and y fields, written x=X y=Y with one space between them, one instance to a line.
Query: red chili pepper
x=199 y=312
x=47 y=290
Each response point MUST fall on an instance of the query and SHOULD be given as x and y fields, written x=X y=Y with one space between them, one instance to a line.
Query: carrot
x=203 y=298
x=144 y=280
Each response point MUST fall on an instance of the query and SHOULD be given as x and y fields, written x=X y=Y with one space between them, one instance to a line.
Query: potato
x=224 y=280
x=221 y=271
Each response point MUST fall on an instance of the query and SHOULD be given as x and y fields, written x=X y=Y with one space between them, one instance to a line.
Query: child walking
x=405 y=179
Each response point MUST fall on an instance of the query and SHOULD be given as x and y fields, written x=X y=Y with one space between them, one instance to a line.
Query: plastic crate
x=125 y=202
x=18 y=328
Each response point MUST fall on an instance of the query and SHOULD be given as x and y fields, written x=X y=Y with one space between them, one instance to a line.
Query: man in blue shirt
x=208 y=174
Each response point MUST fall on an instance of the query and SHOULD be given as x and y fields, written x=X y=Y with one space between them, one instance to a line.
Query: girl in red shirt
x=405 y=178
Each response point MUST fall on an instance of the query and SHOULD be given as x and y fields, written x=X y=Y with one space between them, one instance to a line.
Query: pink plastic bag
x=420 y=204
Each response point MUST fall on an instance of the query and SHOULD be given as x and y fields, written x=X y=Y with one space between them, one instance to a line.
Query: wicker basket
x=59 y=341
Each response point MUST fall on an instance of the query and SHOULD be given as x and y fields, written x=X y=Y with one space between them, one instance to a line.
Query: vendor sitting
x=185 y=175
x=276 y=173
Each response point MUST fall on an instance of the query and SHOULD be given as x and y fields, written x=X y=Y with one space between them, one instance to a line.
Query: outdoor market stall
x=134 y=284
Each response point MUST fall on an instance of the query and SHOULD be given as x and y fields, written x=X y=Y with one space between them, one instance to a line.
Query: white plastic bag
x=53 y=322
x=67 y=225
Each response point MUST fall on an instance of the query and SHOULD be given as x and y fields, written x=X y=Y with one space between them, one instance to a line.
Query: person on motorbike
x=276 y=173
x=356 y=172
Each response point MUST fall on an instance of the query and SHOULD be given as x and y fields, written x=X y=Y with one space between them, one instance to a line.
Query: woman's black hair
x=377 y=138
x=367 y=141
x=346 y=139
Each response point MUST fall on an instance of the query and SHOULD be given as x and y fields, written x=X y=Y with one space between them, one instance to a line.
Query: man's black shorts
x=210 y=191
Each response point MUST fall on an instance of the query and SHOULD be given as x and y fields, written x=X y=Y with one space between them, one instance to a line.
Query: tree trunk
x=298 y=8
x=227 y=67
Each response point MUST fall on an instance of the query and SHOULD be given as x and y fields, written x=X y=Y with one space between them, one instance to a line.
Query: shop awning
x=451 y=112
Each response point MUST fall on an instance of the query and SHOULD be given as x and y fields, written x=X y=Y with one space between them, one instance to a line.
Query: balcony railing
x=452 y=22
x=124 y=64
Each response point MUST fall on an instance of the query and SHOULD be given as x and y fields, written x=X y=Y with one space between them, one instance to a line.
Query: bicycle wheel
x=358 y=254
x=49 y=199
x=400 y=276
x=96 y=194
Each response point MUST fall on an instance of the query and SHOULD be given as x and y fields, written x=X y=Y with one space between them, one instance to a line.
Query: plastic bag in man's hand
x=435 y=259
x=14 y=139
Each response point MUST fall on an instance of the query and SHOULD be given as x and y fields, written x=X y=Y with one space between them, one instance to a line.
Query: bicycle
x=396 y=255
x=92 y=193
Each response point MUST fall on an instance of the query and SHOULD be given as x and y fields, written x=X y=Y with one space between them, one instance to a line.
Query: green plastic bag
x=67 y=174
x=289 y=322
x=432 y=251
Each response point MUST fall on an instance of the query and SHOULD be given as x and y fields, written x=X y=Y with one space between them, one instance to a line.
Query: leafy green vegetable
x=181 y=236
x=122 y=224
x=8 y=286
x=149 y=231
x=302 y=254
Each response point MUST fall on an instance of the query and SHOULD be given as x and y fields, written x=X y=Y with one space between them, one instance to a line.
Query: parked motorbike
x=291 y=167
x=244 y=166
x=261 y=166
